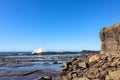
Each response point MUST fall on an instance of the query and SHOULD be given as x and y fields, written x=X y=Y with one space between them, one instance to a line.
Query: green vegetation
x=111 y=27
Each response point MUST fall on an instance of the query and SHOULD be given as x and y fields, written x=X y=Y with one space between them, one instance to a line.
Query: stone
x=104 y=67
x=83 y=78
x=103 y=74
x=74 y=75
x=94 y=58
x=114 y=64
x=74 y=62
x=83 y=65
x=70 y=75
x=55 y=62
x=74 y=59
x=45 y=78
x=75 y=67
x=65 y=65
x=48 y=77
x=115 y=75
x=93 y=73
x=64 y=78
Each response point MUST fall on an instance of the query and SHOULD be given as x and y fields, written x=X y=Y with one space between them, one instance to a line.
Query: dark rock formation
x=44 y=78
x=89 y=51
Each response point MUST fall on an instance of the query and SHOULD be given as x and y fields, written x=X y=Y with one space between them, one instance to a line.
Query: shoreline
x=34 y=65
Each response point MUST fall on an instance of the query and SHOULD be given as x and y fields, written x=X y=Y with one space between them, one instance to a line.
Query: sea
x=25 y=61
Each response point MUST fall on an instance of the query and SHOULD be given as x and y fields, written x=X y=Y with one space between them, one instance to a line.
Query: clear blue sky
x=55 y=24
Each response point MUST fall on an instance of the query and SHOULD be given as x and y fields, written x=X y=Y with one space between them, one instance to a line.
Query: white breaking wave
x=39 y=50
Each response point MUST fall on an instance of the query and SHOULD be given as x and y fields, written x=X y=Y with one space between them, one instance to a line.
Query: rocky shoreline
x=96 y=67
x=89 y=65
x=102 y=66
x=11 y=65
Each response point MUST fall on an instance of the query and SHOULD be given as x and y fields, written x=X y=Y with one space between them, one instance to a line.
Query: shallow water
x=34 y=62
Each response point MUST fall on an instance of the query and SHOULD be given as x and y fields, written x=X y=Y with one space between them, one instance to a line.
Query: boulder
x=65 y=65
x=94 y=58
x=93 y=73
x=44 y=78
x=115 y=75
x=83 y=64
x=55 y=62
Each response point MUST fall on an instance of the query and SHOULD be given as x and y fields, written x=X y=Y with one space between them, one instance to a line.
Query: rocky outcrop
x=103 y=66
x=110 y=38
x=44 y=78
x=98 y=69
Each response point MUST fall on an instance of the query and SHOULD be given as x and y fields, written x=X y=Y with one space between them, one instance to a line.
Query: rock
x=104 y=67
x=74 y=75
x=93 y=73
x=70 y=75
x=74 y=59
x=55 y=62
x=114 y=64
x=103 y=75
x=83 y=65
x=65 y=65
x=94 y=58
x=64 y=78
x=75 y=67
x=110 y=38
x=74 y=62
x=83 y=78
x=48 y=77
x=44 y=78
x=115 y=75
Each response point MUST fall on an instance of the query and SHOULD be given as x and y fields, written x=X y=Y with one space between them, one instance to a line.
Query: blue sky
x=55 y=24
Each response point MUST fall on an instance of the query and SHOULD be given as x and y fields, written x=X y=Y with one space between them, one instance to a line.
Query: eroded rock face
x=110 y=38
x=103 y=66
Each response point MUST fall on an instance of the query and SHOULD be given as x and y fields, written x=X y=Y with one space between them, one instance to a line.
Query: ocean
x=15 y=63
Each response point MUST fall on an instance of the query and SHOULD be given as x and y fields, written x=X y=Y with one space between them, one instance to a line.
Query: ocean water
x=32 y=62
x=15 y=52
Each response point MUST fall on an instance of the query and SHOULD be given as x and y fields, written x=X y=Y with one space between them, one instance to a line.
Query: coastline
x=27 y=65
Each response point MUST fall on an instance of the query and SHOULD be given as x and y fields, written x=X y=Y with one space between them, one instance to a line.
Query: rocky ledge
x=103 y=66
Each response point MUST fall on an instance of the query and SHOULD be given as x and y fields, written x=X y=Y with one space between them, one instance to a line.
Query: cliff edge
x=110 y=38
